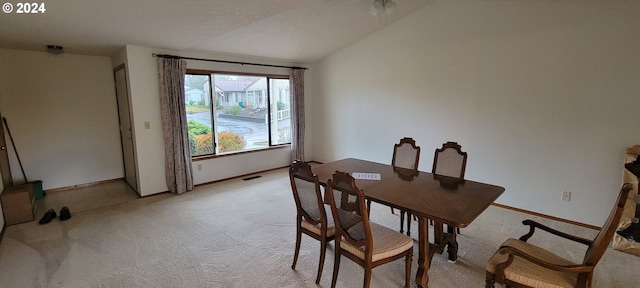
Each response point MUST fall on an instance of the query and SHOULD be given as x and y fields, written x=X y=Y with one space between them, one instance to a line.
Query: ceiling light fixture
x=54 y=49
x=381 y=8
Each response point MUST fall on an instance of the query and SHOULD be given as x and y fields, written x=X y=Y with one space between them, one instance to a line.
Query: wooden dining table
x=445 y=200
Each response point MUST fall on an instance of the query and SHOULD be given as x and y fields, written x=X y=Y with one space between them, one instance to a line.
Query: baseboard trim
x=240 y=176
x=547 y=216
x=82 y=185
x=220 y=180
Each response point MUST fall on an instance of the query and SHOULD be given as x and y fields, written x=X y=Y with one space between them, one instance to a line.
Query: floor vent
x=251 y=178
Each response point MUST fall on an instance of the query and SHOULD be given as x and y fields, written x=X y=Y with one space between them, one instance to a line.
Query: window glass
x=280 y=111
x=246 y=112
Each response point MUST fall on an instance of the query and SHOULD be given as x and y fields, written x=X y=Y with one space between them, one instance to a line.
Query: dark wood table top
x=450 y=200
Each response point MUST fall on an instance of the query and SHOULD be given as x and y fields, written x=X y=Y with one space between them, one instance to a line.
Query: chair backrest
x=306 y=191
x=349 y=210
x=406 y=154
x=450 y=160
x=406 y=174
x=602 y=240
x=448 y=183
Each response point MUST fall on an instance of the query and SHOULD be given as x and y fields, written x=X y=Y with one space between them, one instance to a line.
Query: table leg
x=445 y=238
x=452 y=244
x=424 y=261
x=438 y=236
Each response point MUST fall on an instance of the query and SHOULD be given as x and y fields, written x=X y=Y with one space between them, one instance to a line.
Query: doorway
x=126 y=130
x=5 y=167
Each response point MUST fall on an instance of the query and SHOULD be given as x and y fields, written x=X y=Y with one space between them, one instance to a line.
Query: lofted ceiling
x=292 y=30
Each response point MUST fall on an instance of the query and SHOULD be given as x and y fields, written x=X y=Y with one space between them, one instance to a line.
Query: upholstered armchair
x=631 y=209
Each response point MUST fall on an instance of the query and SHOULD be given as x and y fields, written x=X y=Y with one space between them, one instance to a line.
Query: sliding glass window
x=244 y=112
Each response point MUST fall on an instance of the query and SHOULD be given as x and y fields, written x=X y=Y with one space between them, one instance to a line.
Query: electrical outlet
x=147 y=125
x=199 y=167
x=566 y=196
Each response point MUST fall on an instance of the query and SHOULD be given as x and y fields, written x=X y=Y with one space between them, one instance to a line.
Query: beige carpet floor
x=241 y=234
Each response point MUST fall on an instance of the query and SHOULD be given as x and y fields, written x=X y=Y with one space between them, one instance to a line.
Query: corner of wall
x=4 y=227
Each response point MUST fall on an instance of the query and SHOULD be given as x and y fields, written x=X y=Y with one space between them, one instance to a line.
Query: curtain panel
x=178 y=170
x=297 y=106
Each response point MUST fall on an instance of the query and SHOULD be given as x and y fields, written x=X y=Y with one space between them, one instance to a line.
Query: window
x=245 y=112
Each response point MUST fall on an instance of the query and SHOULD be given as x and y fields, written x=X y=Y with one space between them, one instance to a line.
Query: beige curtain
x=171 y=72
x=297 y=111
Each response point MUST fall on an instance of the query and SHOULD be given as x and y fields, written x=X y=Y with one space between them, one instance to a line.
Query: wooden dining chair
x=365 y=243
x=450 y=161
x=311 y=216
x=405 y=155
x=519 y=263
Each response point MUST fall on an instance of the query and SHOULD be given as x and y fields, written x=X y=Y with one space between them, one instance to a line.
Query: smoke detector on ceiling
x=54 y=49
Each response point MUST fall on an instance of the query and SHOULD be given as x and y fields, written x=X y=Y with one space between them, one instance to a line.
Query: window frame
x=212 y=99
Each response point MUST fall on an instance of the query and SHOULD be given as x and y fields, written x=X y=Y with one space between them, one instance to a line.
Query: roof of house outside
x=233 y=85
x=191 y=90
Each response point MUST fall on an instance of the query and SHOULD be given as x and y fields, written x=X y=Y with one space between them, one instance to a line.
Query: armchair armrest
x=512 y=251
x=532 y=225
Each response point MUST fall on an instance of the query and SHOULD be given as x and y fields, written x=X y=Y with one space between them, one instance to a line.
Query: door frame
x=5 y=164
x=135 y=186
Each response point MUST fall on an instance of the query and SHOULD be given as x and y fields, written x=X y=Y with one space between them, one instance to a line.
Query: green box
x=37 y=189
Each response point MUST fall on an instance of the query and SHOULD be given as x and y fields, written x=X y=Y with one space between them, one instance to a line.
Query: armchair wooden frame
x=317 y=226
x=519 y=250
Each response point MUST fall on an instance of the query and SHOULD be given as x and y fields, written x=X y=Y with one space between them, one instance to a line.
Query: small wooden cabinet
x=18 y=204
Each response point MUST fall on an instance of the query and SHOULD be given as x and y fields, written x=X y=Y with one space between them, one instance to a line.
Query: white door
x=126 y=133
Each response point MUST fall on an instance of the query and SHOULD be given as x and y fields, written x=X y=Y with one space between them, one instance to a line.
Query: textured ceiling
x=293 y=30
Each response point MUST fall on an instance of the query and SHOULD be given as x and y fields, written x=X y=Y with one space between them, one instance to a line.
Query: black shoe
x=50 y=215
x=64 y=213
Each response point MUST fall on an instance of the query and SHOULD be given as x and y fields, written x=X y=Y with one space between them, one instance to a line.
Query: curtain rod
x=224 y=61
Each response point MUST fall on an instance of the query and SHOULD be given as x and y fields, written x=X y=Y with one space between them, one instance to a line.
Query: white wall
x=62 y=114
x=543 y=95
x=143 y=84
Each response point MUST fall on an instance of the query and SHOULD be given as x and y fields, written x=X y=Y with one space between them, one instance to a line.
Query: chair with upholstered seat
x=311 y=218
x=366 y=243
x=450 y=161
x=519 y=263
x=405 y=155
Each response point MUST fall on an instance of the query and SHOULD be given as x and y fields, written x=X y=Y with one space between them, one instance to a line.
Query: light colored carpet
x=241 y=234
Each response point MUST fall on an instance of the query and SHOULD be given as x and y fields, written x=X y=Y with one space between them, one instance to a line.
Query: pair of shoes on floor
x=51 y=214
